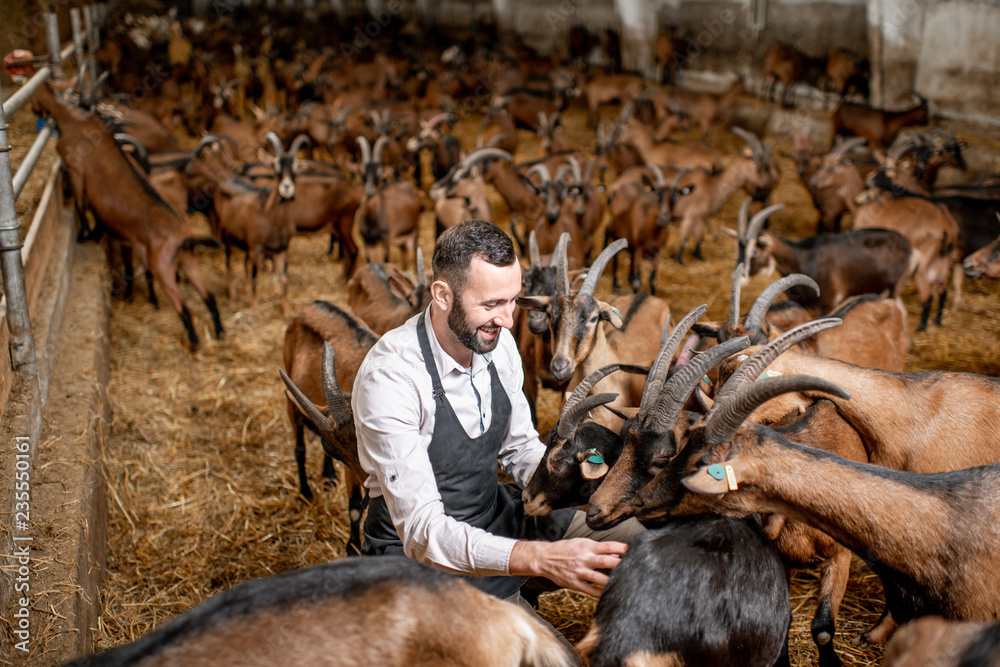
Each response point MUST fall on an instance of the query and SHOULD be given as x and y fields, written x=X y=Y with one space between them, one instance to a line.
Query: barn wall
x=944 y=49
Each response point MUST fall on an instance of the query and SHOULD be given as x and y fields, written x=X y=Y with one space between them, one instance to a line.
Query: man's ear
x=442 y=294
x=610 y=314
x=714 y=479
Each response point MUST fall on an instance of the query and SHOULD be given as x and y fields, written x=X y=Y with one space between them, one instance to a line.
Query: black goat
x=704 y=590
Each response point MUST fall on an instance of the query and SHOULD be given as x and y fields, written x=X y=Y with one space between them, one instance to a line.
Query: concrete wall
x=958 y=65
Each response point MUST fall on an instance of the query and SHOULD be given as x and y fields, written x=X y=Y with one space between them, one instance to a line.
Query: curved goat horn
x=753 y=367
x=675 y=393
x=379 y=147
x=300 y=142
x=594 y=274
x=534 y=256
x=206 y=140
x=279 y=149
x=727 y=419
x=366 y=150
x=661 y=366
x=540 y=169
x=756 y=147
x=768 y=296
x=845 y=145
x=580 y=393
x=335 y=403
x=486 y=153
x=658 y=173
x=559 y=257
x=574 y=166
x=741 y=220
x=677 y=179
x=734 y=295
x=421 y=269
x=757 y=221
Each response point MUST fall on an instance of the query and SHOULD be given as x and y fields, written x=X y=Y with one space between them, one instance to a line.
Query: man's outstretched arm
x=574 y=563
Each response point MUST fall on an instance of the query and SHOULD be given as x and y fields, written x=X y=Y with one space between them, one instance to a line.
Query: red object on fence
x=19 y=64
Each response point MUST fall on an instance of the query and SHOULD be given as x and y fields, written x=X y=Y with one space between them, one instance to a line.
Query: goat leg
x=925 y=314
x=356 y=503
x=941 y=299
x=152 y=293
x=300 y=457
x=878 y=634
x=833 y=585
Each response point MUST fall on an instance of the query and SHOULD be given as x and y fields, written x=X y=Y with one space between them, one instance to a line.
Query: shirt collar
x=445 y=362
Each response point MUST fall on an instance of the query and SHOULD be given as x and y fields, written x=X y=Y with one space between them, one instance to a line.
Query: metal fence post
x=88 y=20
x=22 y=342
x=79 y=53
x=52 y=36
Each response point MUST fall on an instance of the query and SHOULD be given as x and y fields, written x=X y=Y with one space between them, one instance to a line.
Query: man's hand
x=575 y=563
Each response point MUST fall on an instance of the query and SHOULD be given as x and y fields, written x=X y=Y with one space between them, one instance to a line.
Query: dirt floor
x=202 y=487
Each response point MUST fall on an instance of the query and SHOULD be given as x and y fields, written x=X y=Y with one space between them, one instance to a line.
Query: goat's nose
x=561 y=367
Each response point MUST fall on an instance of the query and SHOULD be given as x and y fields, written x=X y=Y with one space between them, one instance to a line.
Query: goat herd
x=769 y=440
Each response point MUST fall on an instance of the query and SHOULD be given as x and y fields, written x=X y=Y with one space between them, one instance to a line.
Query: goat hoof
x=823 y=637
x=306 y=494
x=861 y=641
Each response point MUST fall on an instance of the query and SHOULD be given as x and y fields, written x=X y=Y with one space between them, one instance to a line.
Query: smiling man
x=437 y=402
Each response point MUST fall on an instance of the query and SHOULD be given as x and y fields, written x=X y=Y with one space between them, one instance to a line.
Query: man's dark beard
x=459 y=325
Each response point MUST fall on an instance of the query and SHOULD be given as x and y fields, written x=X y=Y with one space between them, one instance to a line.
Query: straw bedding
x=202 y=488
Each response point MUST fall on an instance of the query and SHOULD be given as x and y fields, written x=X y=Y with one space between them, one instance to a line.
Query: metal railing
x=22 y=345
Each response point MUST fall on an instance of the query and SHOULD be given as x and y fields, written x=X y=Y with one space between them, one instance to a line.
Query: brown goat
x=702 y=108
x=607 y=88
x=389 y=211
x=913 y=529
x=315 y=334
x=675 y=155
x=132 y=211
x=903 y=417
x=640 y=209
x=933 y=232
x=390 y=611
x=581 y=343
x=845 y=264
x=932 y=640
x=755 y=172
x=877 y=127
x=384 y=297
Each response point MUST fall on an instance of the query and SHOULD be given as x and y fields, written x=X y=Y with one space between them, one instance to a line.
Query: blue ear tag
x=717 y=471
x=616 y=312
x=593 y=456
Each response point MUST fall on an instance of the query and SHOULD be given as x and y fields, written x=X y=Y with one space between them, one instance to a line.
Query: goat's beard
x=468 y=335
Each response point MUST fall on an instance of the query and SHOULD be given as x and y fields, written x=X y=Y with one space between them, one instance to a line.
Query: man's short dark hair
x=456 y=247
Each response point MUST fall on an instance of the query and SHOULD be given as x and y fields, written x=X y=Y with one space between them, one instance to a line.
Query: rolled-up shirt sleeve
x=393 y=441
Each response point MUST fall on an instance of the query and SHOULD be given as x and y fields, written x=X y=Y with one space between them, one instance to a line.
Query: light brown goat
x=317 y=332
x=389 y=611
x=581 y=342
x=384 y=296
x=126 y=205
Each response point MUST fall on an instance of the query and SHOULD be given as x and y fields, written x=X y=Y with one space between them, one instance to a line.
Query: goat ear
x=534 y=302
x=704 y=399
x=730 y=232
x=589 y=470
x=764 y=240
x=610 y=314
x=712 y=480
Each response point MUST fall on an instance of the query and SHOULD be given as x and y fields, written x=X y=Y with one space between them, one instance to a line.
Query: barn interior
x=193 y=450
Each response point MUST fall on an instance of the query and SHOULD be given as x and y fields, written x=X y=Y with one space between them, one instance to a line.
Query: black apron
x=465 y=469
